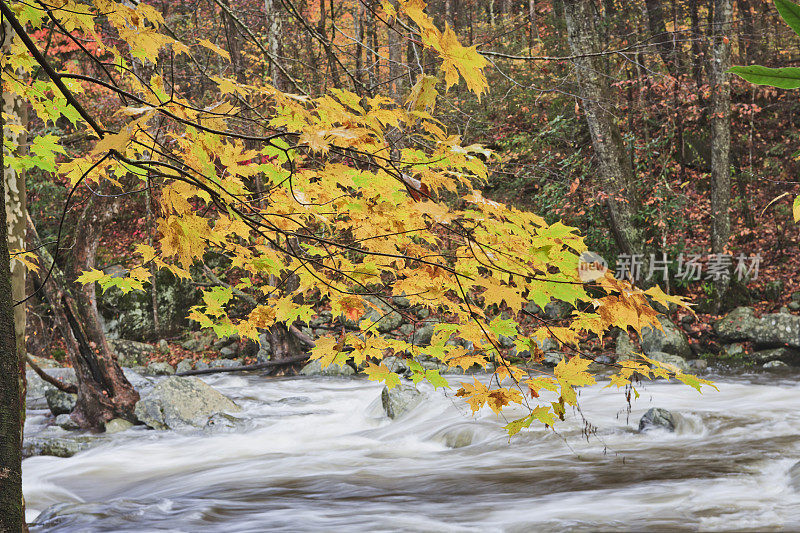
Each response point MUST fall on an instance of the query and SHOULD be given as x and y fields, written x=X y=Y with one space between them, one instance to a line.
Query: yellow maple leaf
x=205 y=43
x=458 y=59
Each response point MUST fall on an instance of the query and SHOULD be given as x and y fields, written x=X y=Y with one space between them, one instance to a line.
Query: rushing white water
x=319 y=455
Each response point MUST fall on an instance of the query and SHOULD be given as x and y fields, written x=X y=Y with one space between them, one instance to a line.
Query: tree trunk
x=12 y=506
x=396 y=60
x=747 y=34
x=234 y=42
x=662 y=39
x=274 y=29
x=12 y=322
x=721 y=135
x=103 y=391
x=697 y=59
x=533 y=30
x=608 y=144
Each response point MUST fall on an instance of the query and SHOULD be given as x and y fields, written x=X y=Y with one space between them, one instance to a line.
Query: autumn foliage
x=313 y=202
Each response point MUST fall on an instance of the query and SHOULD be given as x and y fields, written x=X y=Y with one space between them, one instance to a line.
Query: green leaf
x=796 y=209
x=514 y=427
x=790 y=13
x=782 y=78
x=508 y=328
x=436 y=380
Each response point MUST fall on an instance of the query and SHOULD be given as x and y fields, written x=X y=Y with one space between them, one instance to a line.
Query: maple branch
x=261 y=47
x=57 y=79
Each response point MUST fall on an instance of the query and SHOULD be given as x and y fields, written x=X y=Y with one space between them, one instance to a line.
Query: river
x=319 y=455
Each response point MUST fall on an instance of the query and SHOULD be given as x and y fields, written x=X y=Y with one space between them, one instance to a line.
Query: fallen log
x=245 y=368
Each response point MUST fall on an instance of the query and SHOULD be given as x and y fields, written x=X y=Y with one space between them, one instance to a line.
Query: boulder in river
x=671 y=340
x=775 y=365
x=625 y=349
x=314 y=368
x=58 y=442
x=400 y=399
x=60 y=402
x=184 y=365
x=656 y=418
x=159 y=369
x=386 y=318
x=37 y=387
x=785 y=355
x=131 y=353
x=117 y=425
x=178 y=403
x=424 y=335
x=65 y=421
x=670 y=359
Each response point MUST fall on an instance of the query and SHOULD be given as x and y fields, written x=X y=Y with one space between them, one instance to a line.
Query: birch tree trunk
x=12 y=375
x=615 y=168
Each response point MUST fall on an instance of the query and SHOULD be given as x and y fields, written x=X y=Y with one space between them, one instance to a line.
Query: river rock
x=37 y=387
x=58 y=442
x=558 y=309
x=401 y=301
x=506 y=342
x=223 y=422
x=131 y=353
x=671 y=359
x=737 y=325
x=785 y=355
x=778 y=329
x=229 y=352
x=771 y=330
x=731 y=351
x=532 y=308
x=60 y=402
x=314 y=368
x=657 y=417
x=424 y=335
x=65 y=421
x=397 y=365
x=672 y=340
x=143 y=384
x=624 y=348
x=400 y=399
x=184 y=365
x=386 y=318
x=225 y=363
x=198 y=342
x=44 y=362
x=117 y=425
x=552 y=358
x=698 y=364
x=179 y=402
x=775 y=365
x=159 y=369
x=264 y=352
